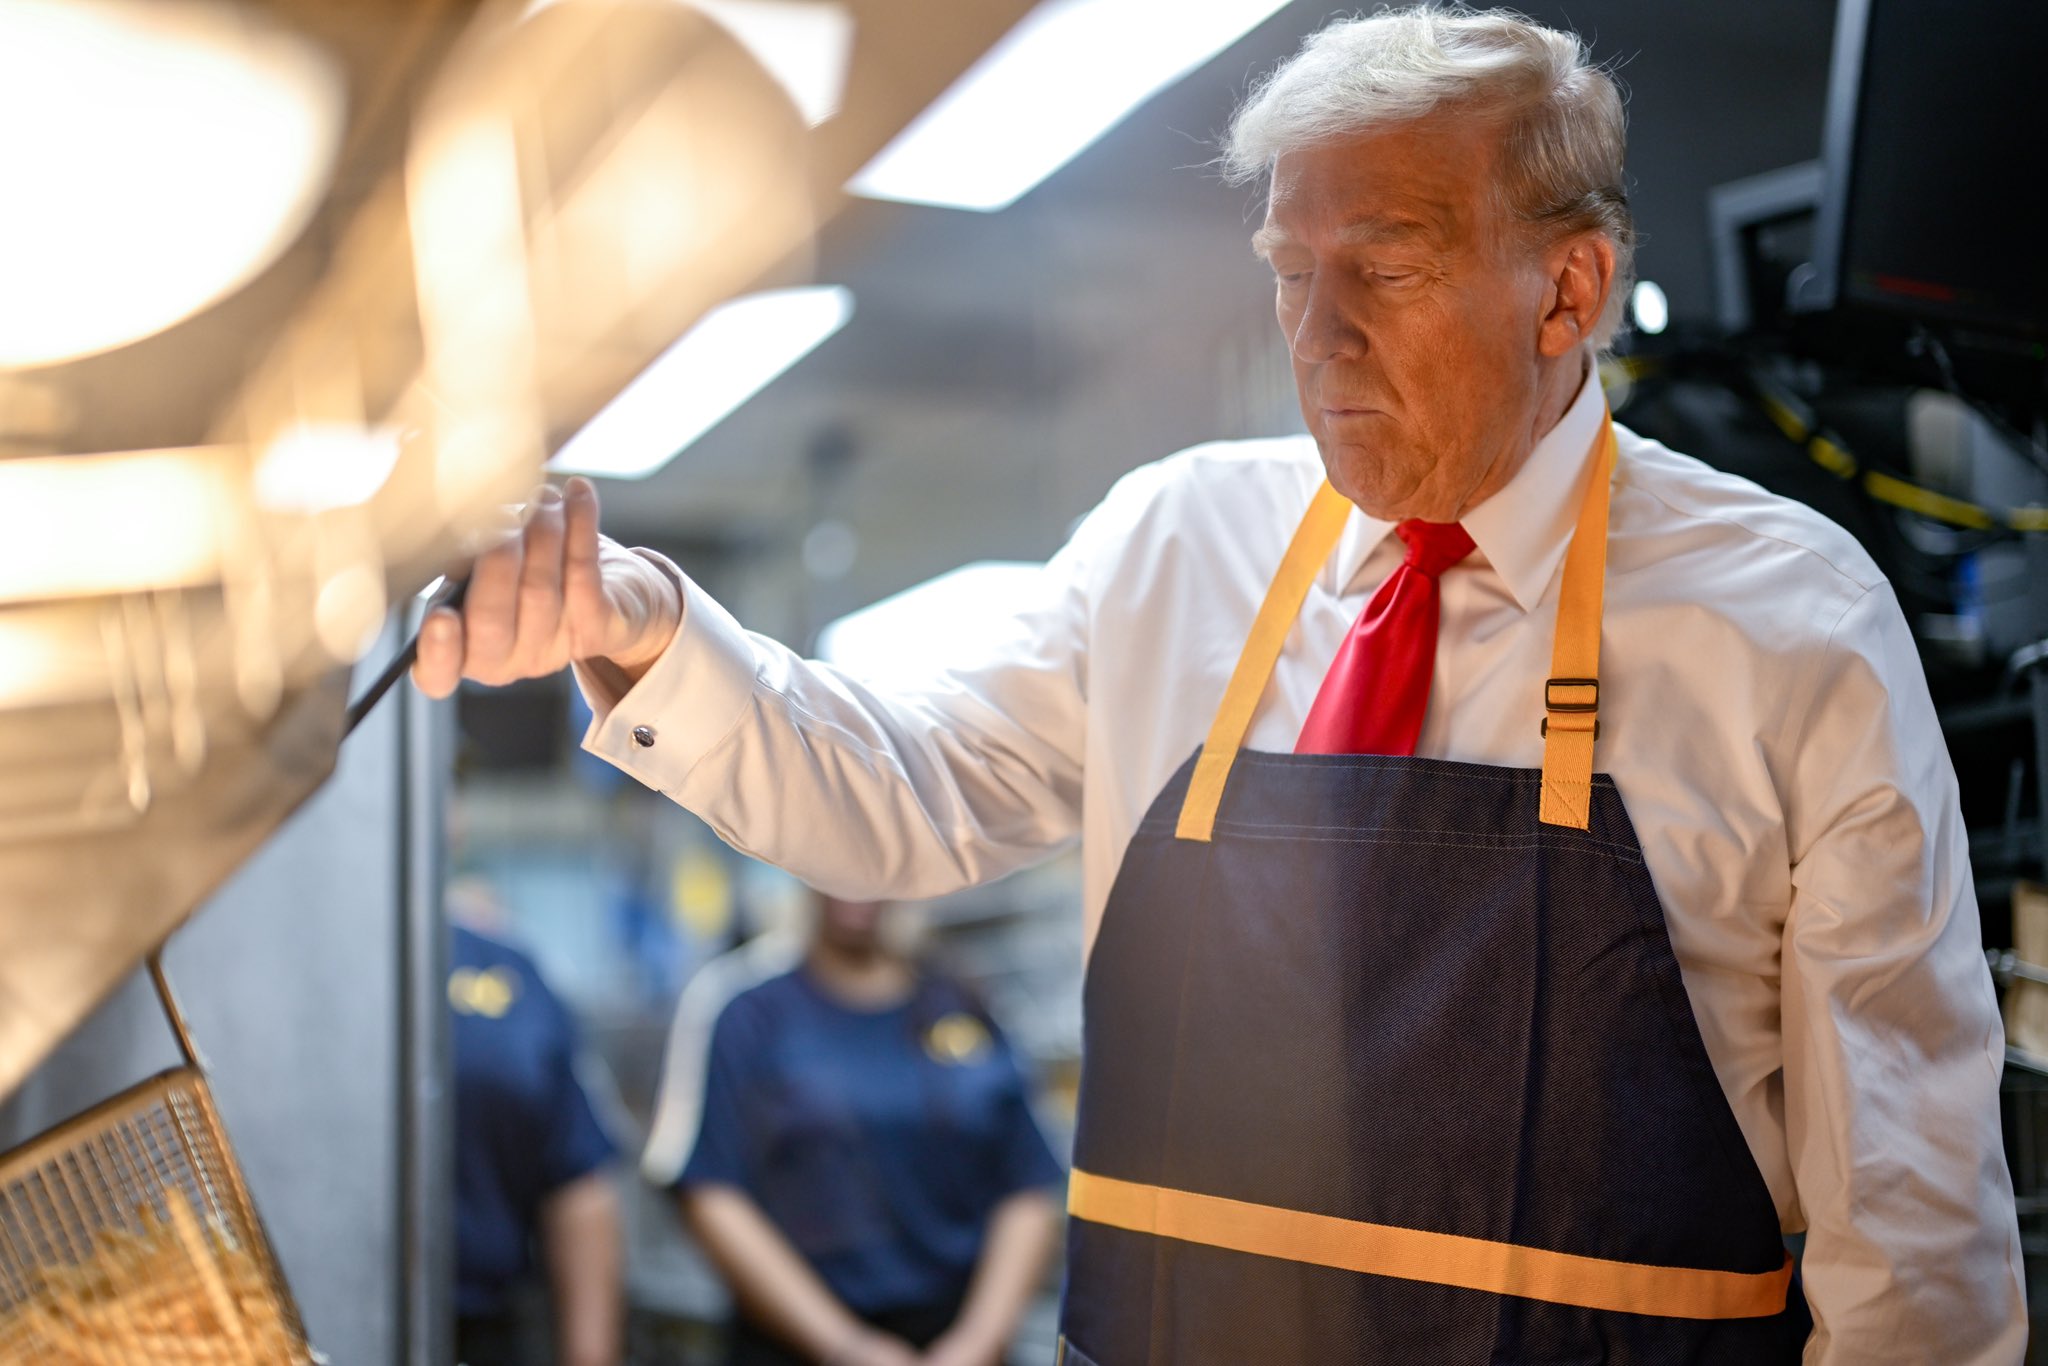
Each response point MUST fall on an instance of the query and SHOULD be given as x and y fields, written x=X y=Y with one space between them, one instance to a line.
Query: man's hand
x=962 y=1346
x=583 y=1252
x=555 y=592
x=871 y=1347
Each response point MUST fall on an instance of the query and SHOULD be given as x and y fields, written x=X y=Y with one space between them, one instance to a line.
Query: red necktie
x=1373 y=698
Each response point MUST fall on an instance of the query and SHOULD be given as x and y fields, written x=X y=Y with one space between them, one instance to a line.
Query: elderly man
x=1410 y=1036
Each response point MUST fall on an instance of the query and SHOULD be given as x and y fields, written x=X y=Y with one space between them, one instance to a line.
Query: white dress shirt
x=1763 y=713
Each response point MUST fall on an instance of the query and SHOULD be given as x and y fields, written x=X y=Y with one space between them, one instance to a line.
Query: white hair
x=1561 y=157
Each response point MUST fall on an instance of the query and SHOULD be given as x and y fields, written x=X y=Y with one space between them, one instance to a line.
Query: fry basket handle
x=169 y=1000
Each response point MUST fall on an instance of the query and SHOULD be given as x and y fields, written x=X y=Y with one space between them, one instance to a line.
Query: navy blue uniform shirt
x=523 y=1126
x=878 y=1141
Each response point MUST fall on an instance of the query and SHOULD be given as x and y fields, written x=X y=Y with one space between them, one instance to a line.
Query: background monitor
x=1936 y=149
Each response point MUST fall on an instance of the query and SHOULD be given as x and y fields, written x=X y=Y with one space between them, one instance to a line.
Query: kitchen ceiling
x=1000 y=369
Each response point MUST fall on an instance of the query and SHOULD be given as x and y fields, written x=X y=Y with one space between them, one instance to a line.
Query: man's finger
x=588 y=610
x=540 y=584
x=490 y=611
x=438 y=668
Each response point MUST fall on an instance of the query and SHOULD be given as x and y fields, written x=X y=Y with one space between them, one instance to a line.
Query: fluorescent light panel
x=804 y=44
x=926 y=629
x=1069 y=72
x=734 y=351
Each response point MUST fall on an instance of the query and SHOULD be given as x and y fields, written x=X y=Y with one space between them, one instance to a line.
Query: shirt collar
x=1524 y=529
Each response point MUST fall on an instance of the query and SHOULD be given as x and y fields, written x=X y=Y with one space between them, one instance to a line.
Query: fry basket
x=128 y=1238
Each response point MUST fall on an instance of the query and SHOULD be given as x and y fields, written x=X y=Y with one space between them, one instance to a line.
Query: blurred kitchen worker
x=532 y=1163
x=1409 y=1037
x=850 y=1140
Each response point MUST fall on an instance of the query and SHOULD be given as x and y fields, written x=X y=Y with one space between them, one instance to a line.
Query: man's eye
x=1396 y=277
x=1290 y=277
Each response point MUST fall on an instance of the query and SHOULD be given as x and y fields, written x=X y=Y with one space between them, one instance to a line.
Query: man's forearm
x=1891 y=1039
x=767 y=1275
x=581 y=1243
x=865 y=787
x=1013 y=1258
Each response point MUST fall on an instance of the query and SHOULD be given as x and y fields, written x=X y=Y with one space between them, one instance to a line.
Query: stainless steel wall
x=294 y=980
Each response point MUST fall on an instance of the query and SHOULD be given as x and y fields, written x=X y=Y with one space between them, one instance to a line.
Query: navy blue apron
x=1389 y=1060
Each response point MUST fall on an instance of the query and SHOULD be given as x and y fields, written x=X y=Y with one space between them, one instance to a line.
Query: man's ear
x=1580 y=273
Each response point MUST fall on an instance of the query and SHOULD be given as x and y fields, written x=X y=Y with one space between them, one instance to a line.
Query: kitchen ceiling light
x=85 y=525
x=164 y=153
x=922 y=631
x=1065 y=75
x=1648 y=306
x=732 y=353
x=805 y=45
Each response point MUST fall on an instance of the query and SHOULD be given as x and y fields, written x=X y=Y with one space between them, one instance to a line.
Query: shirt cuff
x=689 y=700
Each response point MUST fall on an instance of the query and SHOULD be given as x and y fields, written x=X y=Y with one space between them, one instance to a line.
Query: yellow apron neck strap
x=1571 y=697
x=1313 y=541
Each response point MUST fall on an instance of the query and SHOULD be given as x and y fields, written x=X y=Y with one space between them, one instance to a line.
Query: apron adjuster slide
x=1552 y=704
x=1556 y=706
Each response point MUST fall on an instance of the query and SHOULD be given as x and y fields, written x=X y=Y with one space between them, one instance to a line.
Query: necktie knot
x=1374 y=697
x=1434 y=547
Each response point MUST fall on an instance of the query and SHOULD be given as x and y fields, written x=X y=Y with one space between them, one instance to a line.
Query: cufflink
x=643 y=736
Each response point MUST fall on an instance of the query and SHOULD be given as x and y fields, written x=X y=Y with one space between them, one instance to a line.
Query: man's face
x=1412 y=310
x=854 y=926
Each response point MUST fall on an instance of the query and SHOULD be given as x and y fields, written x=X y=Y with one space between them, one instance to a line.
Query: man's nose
x=1327 y=328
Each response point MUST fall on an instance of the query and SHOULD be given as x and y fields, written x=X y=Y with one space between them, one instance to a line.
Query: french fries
x=172 y=1292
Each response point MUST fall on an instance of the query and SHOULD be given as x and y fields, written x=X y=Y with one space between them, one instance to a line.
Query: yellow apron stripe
x=1571 y=697
x=1313 y=541
x=1417 y=1255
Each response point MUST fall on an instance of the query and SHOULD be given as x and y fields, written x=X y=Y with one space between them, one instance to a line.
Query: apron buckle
x=1566 y=706
x=1550 y=698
